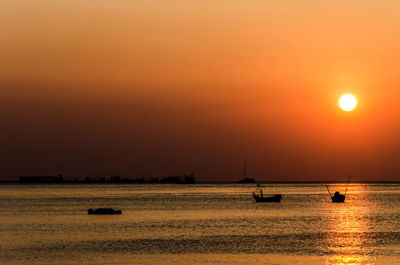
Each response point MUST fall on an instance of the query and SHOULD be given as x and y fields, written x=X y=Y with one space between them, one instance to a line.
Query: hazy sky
x=151 y=88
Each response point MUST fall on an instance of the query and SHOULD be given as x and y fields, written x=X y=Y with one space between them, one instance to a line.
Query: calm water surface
x=199 y=224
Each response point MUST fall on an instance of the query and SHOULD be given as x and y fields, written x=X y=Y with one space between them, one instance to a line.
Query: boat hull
x=103 y=211
x=246 y=180
x=276 y=198
x=338 y=199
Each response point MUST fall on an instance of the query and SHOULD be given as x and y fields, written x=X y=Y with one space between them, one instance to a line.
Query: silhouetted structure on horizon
x=245 y=179
x=184 y=179
x=177 y=179
x=41 y=179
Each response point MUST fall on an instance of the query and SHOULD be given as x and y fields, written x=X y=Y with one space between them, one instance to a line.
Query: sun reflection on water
x=349 y=238
x=350 y=260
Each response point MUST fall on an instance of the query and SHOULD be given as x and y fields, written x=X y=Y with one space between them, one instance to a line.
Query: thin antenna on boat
x=347 y=183
x=328 y=190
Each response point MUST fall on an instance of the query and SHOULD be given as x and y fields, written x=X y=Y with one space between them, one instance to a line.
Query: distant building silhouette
x=41 y=179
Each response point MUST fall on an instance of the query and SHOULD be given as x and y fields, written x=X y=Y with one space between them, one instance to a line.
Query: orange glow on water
x=349 y=229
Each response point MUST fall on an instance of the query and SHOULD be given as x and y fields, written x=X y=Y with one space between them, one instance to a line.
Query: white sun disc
x=347 y=102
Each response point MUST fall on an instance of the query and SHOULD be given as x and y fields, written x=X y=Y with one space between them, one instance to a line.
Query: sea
x=199 y=224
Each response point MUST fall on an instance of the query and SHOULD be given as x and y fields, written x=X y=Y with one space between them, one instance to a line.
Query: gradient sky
x=154 y=87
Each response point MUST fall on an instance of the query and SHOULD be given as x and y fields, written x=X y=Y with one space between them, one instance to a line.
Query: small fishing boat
x=104 y=211
x=261 y=198
x=337 y=197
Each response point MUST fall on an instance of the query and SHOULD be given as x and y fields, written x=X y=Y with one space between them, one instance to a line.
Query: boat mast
x=347 y=183
x=328 y=190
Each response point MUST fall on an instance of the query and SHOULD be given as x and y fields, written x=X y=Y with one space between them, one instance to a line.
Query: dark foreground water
x=198 y=224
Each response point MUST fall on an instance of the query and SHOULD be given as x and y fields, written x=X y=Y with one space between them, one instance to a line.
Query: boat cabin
x=337 y=197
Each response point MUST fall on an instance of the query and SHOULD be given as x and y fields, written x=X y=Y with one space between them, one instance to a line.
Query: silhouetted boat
x=245 y=179
x=261 y=198
x=337 y=197
x=104 y=211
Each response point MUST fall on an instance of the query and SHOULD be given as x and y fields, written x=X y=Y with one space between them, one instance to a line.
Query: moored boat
x=276 y=198
x=245 y=179
x=261 y=198
x=337 y=197
x=104 y=211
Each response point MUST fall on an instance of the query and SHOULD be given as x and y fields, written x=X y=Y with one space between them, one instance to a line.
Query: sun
x=347 y=102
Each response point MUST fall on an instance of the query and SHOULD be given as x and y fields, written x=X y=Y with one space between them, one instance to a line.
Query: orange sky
x=151 y=88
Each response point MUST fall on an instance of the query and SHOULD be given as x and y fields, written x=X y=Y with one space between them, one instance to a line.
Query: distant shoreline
x=197 y=182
